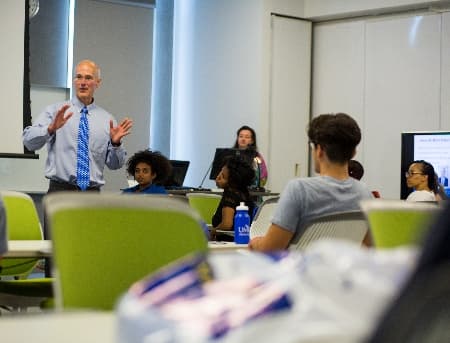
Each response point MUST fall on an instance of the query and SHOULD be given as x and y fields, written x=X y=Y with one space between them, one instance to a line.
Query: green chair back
x=395 y=223
x=103 y=243
x=22 y=223
x=205 y=204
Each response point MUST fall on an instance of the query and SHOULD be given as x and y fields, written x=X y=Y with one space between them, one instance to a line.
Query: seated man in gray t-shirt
x=3 y=236
x=333 y=139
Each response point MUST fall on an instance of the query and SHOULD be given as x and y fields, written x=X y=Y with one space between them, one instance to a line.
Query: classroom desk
x=184 y=191
x=67 y=327
x=43 y=248
x=29 y=248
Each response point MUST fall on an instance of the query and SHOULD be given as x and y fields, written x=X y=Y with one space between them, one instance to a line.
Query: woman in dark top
x=235 y=178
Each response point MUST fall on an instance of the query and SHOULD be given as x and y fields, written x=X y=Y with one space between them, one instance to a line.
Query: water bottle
x=241 y=224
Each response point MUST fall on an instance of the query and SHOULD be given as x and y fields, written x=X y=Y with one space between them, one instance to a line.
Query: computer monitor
x=222 y=153
x=431 y=146
x=179 y=171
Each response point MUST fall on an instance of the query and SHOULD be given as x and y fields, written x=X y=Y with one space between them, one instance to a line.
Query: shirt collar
x=79 y=105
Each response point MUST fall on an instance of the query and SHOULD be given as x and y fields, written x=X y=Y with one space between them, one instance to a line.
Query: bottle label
x=244 y=230
x=241 y=228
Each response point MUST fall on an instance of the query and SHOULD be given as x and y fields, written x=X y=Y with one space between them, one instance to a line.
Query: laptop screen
x=222 y=153
x=179 y=171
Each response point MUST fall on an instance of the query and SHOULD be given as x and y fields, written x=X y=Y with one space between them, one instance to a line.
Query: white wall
x=387 y=73
x=323 y=9
x=218 y=78
x=28 y=174
x=221 y=76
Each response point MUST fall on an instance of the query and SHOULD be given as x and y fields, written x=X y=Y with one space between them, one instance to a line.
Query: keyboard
x=187 y=188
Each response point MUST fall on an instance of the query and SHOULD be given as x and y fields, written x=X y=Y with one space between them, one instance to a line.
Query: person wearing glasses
x=421 y=177
x=333 y=139
x=58 y=126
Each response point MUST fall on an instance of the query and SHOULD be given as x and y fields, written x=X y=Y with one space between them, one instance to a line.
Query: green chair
x=395 y=223
x=22 y=223
x=205 y=204
x=103 y=243
x=347 y=225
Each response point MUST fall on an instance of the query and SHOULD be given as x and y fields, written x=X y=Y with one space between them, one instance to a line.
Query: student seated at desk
x=150 y=169
x=333 y=139
x=235 y=178
x=422 y=178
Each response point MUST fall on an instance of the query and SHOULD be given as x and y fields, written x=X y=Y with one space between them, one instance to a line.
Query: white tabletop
x=29 y=248
x=43 y=248
x=67 y=327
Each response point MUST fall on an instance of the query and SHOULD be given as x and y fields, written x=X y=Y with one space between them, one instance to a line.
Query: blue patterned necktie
x=83 y=151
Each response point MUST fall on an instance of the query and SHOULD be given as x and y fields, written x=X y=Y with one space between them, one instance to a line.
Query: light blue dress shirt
x=61 y=164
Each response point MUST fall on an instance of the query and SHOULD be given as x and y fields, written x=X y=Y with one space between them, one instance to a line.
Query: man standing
x=333 y=139
x=81 y=136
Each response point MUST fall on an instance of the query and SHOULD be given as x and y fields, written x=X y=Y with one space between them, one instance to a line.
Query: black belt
x=56 y=186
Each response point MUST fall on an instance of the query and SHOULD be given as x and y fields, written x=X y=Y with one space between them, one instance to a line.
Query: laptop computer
x=179 y=171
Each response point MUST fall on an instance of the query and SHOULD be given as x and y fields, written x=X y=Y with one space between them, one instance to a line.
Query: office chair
x=103 y=243
x=347 y=225
x=205 y=204
x=397 y=222
x=22 y=223
x=263 y=217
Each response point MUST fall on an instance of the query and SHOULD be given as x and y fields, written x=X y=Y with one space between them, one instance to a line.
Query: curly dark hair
x=428 y=170
x=157 y=161
x=240 y=173
x=337 y=134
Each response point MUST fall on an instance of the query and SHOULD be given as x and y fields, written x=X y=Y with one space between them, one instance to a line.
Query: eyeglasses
x=408 y=173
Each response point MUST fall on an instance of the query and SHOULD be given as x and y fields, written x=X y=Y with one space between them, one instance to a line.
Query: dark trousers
x=57 y=186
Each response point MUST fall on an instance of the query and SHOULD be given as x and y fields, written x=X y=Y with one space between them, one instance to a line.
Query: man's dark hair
x=157 y=161
x=240 y=173
x=337 y=134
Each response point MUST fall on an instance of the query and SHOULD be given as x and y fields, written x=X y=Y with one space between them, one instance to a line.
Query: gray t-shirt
x=307 y=198
x=3 y=236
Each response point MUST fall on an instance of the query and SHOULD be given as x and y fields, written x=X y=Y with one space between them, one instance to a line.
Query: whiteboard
x=12 y=19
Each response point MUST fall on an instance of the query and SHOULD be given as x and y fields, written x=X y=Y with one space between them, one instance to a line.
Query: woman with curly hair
x=235 y=178
x=150 y=169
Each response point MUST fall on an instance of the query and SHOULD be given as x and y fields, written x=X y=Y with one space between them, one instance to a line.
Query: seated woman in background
x=235 y=178
x=246 y=139
x=150 y=169
x=422 y=178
